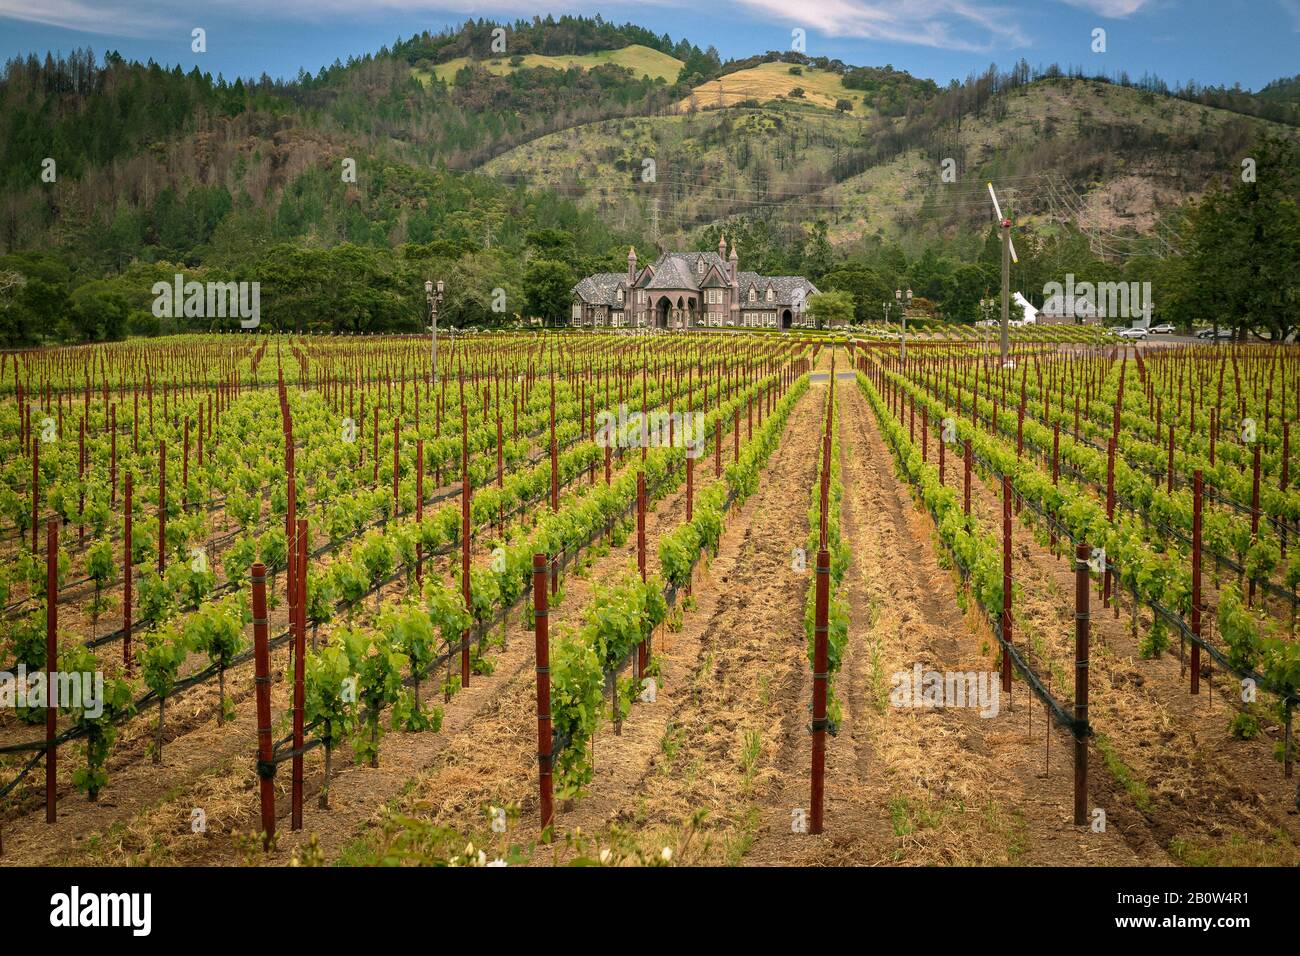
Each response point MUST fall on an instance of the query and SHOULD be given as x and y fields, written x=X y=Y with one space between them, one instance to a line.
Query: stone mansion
x=686 y=290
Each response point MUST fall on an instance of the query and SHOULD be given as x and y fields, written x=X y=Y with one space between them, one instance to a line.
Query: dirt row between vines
x=145 y=813
x=1171 y=778
x=921 y=786
x=632 y=788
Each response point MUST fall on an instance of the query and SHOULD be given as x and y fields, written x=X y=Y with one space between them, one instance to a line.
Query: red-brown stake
x=127 y=575
x=1198 y=491
x=262 y=664
x=162 y=505
x=465 y=540
x=966 y=458
x=299 y=674
x=821 y=678
x=1006 y=584
x=543 y=650
x=1081 y=554
x=51 y=665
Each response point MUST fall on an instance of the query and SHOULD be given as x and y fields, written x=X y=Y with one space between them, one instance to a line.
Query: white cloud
x=1116 y=9
x=90 y=17
x=1293 y=8
x=944 y=24
x=947 y=24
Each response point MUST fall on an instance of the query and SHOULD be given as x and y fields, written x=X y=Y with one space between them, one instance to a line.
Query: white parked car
x=1132 y=333
x=1165 y=329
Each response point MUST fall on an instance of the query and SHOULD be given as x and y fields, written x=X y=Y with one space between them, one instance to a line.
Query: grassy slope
x=769 y=81
x=641 y=60
x=696 y=156
x=598 y=163
x=1131 y=195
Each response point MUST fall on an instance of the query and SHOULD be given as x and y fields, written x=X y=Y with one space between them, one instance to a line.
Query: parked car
x=1205 y=334
x=1163 y=329
x=1132 y=333
x=1224 y=334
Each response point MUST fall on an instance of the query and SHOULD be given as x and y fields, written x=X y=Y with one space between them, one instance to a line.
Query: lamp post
x=886 y=305
x=904 y=302
x=433 y=294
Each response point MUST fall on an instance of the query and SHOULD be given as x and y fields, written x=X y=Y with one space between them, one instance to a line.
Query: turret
x=731 y=266
x=631 y=264
x=722 y=247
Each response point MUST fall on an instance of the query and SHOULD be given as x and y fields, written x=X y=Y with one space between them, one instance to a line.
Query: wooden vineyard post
x=823 y=493
x=543 y=650
x=1198 y=490
x=735 y=432
x=419 y=507
x=162 y=505
x=112 y=457
x=925 y=433
x=641 y=649
x=821 y=678
x=690 y=484
x=397 y=443
x=1169 y=467
x=126 y=577
x=262 y=665
x=1081 y=555
x=1254 y=517
x=1285 y=480
x=36 y=491
x=185 y=465
x=1110 y=516
x=1006 y=584
x=464 y=539
x=1056 y=475
x=966 y=459
x=718 y=453
x=51 y=664
x=299 y=623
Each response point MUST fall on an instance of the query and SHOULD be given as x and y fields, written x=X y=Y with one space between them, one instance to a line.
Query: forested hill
x=341 y=191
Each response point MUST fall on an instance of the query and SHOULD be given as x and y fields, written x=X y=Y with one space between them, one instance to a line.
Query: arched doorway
x=661 y=313
x=786 y=318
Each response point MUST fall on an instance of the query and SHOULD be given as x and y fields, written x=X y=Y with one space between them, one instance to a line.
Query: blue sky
x=1211 y=41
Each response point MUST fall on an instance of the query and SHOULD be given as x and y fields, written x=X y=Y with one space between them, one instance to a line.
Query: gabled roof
x=783 y=288
x=680 y=270
x=601 y=289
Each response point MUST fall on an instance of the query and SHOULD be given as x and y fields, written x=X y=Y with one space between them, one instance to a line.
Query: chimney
x=722 y=247
x=631 y=265
x=732 y=263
